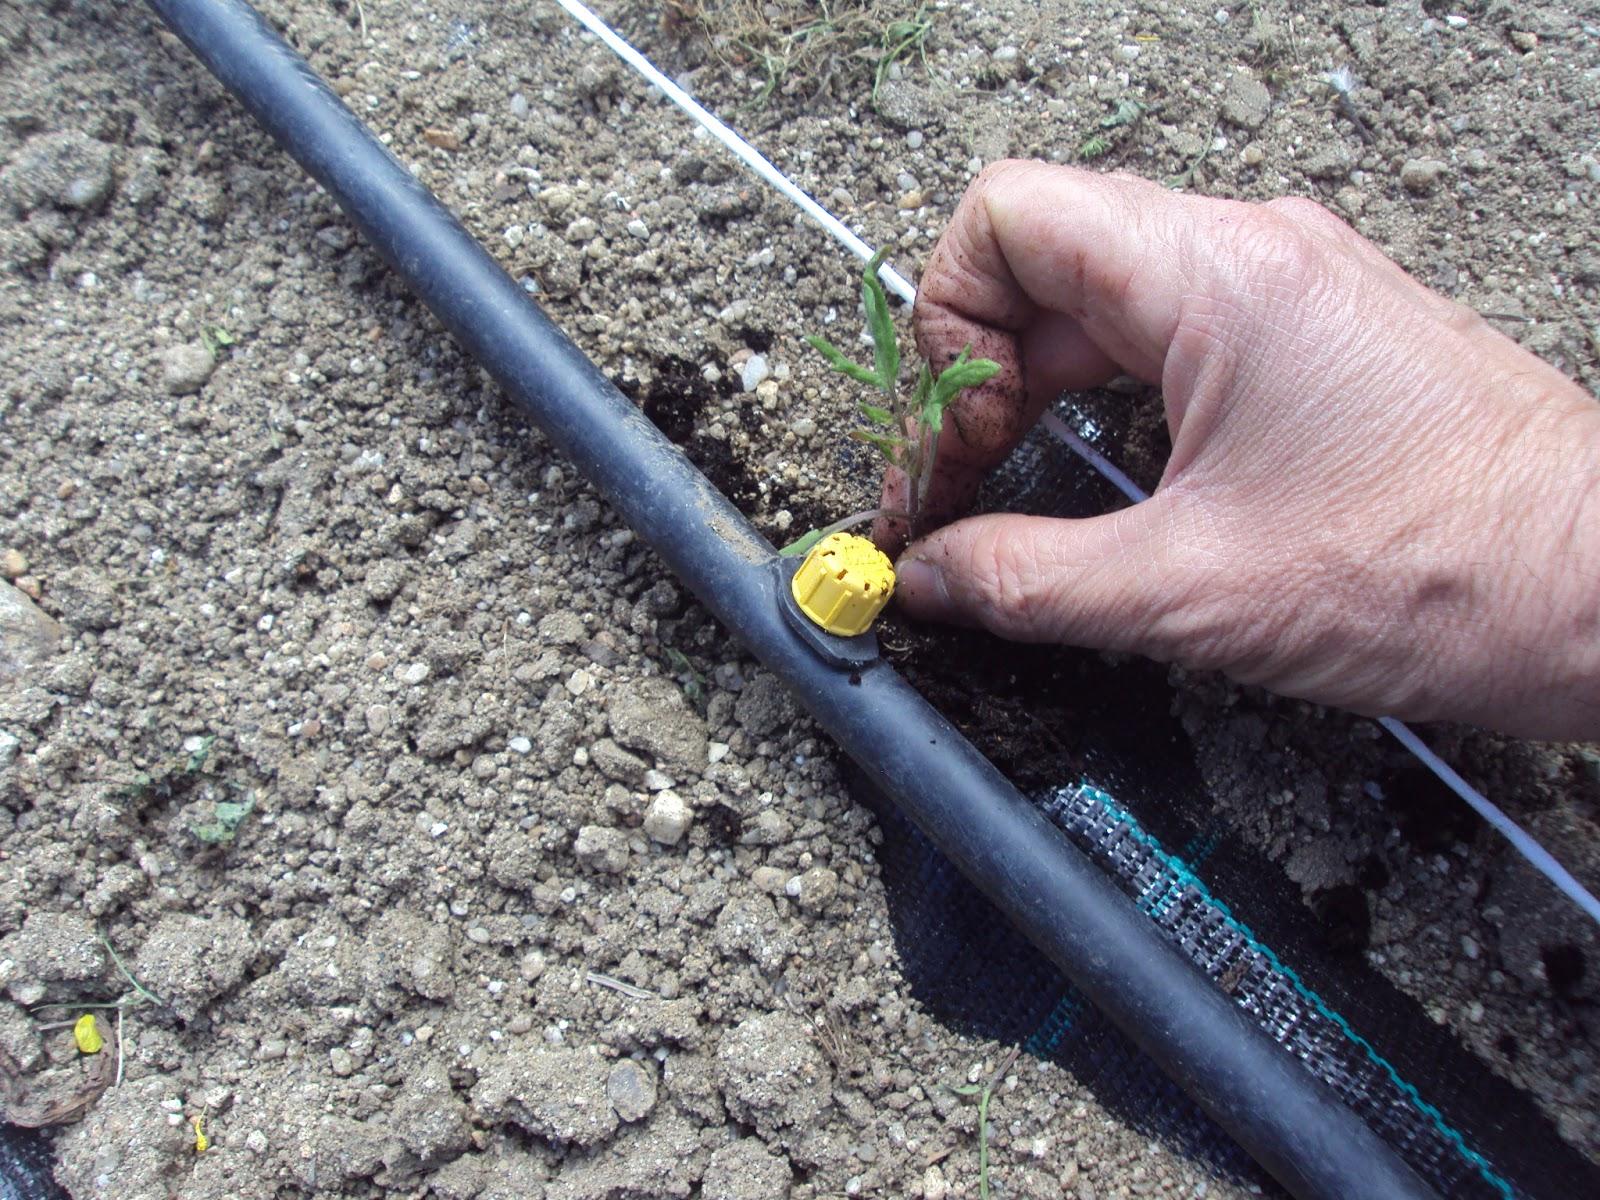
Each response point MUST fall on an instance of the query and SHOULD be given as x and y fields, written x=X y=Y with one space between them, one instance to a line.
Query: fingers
x=1103 y=582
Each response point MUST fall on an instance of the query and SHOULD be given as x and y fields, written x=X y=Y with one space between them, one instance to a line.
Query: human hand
x=1374 y=500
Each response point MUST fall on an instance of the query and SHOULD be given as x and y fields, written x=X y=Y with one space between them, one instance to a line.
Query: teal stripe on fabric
x=1185 y=876
x=1044 y=1040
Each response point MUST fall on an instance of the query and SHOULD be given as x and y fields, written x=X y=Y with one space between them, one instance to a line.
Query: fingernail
x=920 y=587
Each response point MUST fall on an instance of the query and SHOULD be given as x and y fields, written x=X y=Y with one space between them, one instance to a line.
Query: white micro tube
x=1522 y=841
x=747 y=153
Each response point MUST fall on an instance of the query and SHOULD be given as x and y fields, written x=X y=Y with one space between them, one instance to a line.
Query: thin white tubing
x=1543 y=861
x=747 y=153
x=1112 y=473
x=1520 y=839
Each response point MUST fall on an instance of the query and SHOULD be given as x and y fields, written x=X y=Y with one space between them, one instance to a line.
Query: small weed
x=691 y=680
x=905 y=429
x=900 y=39
x=230 y=814
x=215 y=339
x=984 y=1092
x=1113 y=128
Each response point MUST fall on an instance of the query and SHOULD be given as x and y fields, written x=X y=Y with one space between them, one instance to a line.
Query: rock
x=617 y=764
x=52 y=956
x=551 y=1092
x=765 y=706
x=13 y=564
x=753 y=372
x=817 y=888
x=341 y=1061
x=668 y=818
x=69 y=170
x=652 y=717
x=746 y=1170
x=428 y=1121
x=602 y=849
x=1328 y=162
x=908 y=105
x=9 y=745
x=1420 y=176
x=189 y=961
x=185 y=368
x=632 y=1090
x=27 y=633
x=1246 y=101
x=772 y=1075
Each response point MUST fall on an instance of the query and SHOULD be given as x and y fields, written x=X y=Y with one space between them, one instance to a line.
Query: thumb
x=1109 y=582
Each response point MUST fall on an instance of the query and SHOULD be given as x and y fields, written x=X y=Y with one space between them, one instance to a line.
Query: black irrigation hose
x=1290 y=1123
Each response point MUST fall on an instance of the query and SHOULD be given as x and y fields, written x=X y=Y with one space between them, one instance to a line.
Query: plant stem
x=802 y=544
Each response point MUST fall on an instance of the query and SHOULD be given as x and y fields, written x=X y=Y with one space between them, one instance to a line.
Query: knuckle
x=1268 y=256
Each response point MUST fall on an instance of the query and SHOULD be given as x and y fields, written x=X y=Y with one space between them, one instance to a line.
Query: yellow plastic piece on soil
x=844 y=583
x=201 y=1142
x=87 y=1035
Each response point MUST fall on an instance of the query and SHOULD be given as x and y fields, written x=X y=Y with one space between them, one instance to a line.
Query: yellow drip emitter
x=843 y=584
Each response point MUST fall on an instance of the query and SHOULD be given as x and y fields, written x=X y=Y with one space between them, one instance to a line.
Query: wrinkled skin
x=1374 y=500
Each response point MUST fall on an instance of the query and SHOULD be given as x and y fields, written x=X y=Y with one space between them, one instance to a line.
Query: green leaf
x=878 y=416
x=965 y=372
x=967 y=1089
x=201 y=753
x=885 y=346
x=885 y=444
x=839 y=362
x=230 y=815
x=801 y=544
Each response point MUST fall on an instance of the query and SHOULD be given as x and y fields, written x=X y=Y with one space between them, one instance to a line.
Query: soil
x=463 y=856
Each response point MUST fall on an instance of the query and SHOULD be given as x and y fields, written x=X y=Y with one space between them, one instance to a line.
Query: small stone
x=1420 y=176
x=911 y=200
x=1246 y=101
x=414 y=673
x=1005 y=54
x=638 y=229
x=519 y=105
x=272 y=1049
x=602 y=849
x=377 y=718
x=519 y=745
x=256 y=1142
x=531 y=966
x=753 y=372
x=342 y=1062
x=632 y=1090
x=1328 y=162
x=668 y=818
x=803 y=427
x=914 y=139
x=1252 y=155
x=717 y=751
x=582 y=230
x=9 y=744
x=771 y=880
x=27 y=633
x=1524 y=40
x=934 y=1184
x=658 y=781
x=818 y=887
x=185 y=368
x=478 y=935
x=13 y=564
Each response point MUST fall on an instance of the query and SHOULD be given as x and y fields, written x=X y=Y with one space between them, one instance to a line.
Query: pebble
x=1005 y=54
x=658 y=781
x=9 y=744
x=754 y=372
x=911 y=200
x=414 y=674
x=818 y=887
x=1252 y=155
x=519 y=105
x=377 y=718
x=1420 y=176
x=186 y=368
x=1246 y=101
x=1524 y=40
x=13 y=564
x=272 y=1049
x=668 y=818
x=27 y=633
x=341 y=1061
x=478 y=935
x=717 y=751
x=531 y=966
x=914 y=139
x=602 y=849
x=519 y=745
x=631 y=1090
x=256 y=1142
